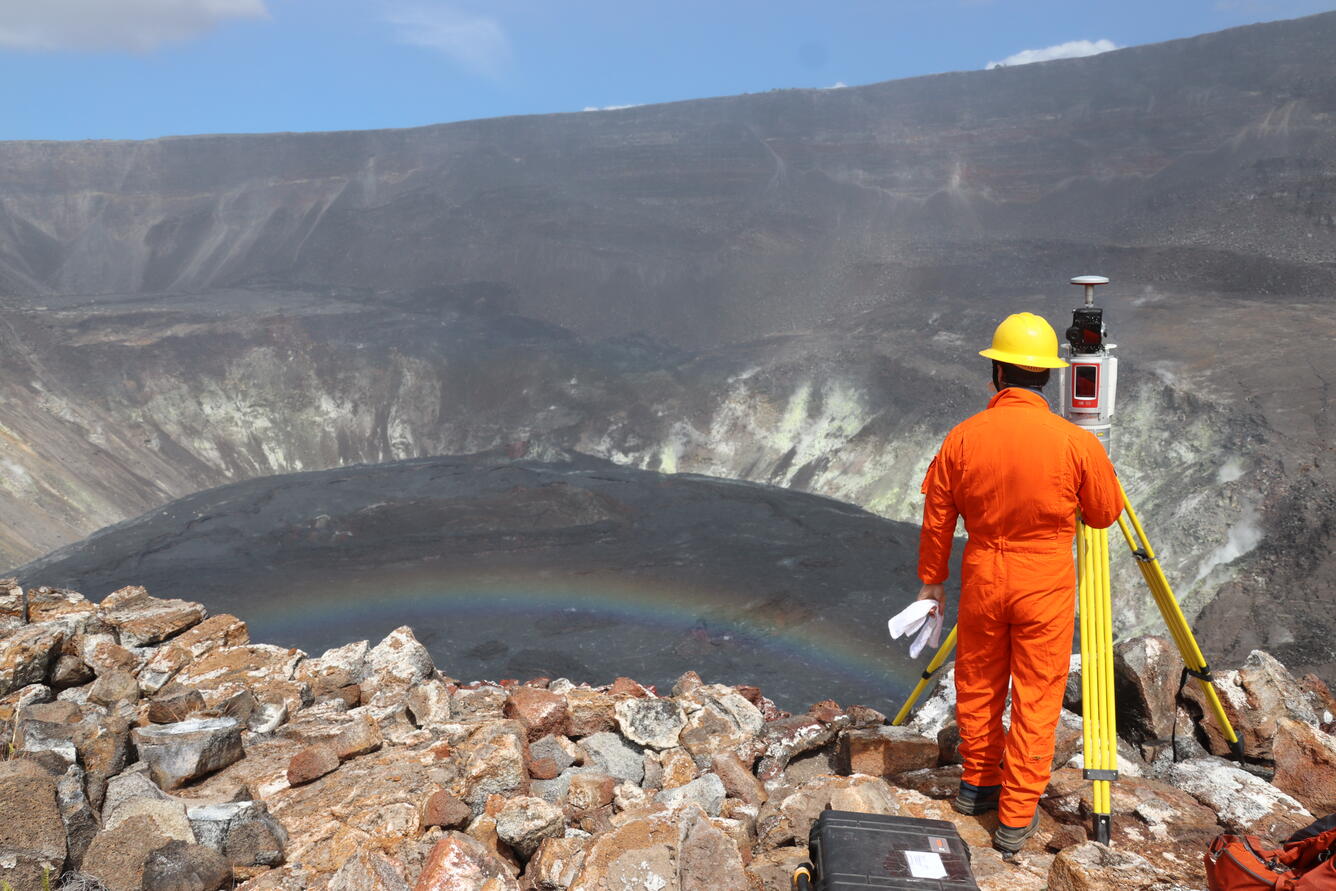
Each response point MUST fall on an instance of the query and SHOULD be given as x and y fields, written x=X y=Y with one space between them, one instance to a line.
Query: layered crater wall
x=787 y=288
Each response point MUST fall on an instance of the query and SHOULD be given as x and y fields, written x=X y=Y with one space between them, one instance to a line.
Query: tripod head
x=1089 y=386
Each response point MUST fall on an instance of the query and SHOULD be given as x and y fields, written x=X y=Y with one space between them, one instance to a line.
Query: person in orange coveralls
x=1017 y=474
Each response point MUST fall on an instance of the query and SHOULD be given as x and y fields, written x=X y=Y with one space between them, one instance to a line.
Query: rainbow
x=855 y=648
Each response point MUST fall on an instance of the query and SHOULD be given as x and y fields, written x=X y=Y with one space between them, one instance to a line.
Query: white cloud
x=135 y=25
x=838 y=85
x=607 y=107
x=1072 y=49
x=476 y=43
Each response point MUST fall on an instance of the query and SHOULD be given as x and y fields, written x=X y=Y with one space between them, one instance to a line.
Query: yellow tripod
x=1099 y=721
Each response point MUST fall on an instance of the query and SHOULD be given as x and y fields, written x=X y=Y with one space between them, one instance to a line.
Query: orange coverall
x=1017 y=473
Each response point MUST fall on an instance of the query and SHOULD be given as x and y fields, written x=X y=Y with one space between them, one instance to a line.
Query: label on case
x=925 y=865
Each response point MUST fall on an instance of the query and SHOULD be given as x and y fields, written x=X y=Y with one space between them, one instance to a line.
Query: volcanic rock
x=393 y=667
x=242 y=831
x=590 y=791
x=81 y=822
x=556 y=864
x=739 y=782
x=26 y=655
x=181 y=866
x=542 y=712
x=1146 y=673
x=886 y=751
x=117 y=857
x=445 y=810
x=34 y=845
x=613 y=755
x=367 y=870
x=719 y=720
x=478 y=703
x=789 y=814
x=1095 y=867
x=169 y=817
x=215 y=632
x=1255 y=697
x=173 y=703
x=113 y=687
x=706 y=792
x=590 y=712
x=141 y=620
x=788 y=737
x=458 y=861
x=311 y=764
x=654 y=723
x=1243 y=803
x=1305 y=764
x=187 y=750
x=524 y=822
x=495 y=762
x=429 y=703
x=334 y=669
x=257 y=672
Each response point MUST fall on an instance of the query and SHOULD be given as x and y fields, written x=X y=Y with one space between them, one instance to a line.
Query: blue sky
x=134 y=69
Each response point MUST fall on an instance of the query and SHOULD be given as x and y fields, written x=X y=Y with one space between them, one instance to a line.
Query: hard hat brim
x=1023 y=359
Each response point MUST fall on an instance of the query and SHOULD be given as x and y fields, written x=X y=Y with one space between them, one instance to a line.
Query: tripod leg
x=938 y=659
x=1099 y=722
x=1177 y=623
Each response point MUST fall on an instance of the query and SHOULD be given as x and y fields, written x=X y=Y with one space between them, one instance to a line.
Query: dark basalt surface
x=519 y=569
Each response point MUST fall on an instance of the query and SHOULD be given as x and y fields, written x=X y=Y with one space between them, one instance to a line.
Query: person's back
x=1017 y=474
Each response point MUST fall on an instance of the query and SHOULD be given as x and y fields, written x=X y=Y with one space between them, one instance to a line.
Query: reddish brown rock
x=1146 y=673
x=688 y=682
x=827 y=710
x=360 y=736
x=494 y=762
x=113 y=687
x=459 y=862
x=311 y=763
x=739 y=782
x=215 y=632
x=445 y=810
x=141 y=620
x=1254 y=697
x=251 y=672
x=543 y=768
x=173 y=703
x=626 y=687
x=887 y=751
x=1306 y=765
x=542 y=712
x=556 y=864
x=590 y=791
x=677 y=767
x=589 y=712
x=26 y=655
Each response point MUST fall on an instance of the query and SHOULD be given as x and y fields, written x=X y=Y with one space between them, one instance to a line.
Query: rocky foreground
x=155 y=747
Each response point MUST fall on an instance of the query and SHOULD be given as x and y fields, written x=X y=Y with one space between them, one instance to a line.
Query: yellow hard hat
x=1025 y=339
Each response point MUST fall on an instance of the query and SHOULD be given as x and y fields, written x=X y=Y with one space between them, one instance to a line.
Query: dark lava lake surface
x=578 y=568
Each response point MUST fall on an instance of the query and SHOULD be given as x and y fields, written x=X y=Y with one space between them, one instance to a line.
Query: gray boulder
x=613 y=755
x=655 y=723
x=184 y=751
x=180 y=866
x=242 y=831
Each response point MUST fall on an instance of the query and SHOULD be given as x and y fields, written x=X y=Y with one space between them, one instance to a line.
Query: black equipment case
x=850 y=850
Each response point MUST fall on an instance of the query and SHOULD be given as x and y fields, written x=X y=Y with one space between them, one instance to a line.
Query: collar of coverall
x=1018 y=396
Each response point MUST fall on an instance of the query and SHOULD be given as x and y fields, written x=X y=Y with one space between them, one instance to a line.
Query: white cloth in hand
x=922 y=621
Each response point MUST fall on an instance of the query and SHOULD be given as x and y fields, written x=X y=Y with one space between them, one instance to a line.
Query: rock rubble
x=154 y=747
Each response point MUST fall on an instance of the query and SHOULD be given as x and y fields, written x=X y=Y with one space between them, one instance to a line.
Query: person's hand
x=937 y=593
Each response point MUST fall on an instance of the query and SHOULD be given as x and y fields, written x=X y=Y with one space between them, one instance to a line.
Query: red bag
x=1307 y=862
